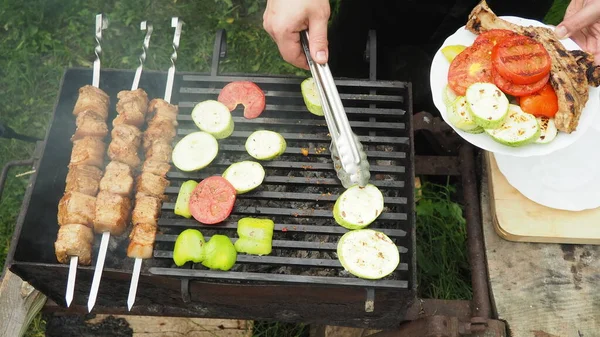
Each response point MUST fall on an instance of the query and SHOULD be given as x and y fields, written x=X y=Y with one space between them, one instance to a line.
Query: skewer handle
x=177 y=24
x=101 y=24
x=138 y=73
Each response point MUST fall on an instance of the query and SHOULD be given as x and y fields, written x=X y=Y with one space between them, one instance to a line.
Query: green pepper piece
x=219 y=253
x=182 y=205
x=189 y=247
x=256 y=236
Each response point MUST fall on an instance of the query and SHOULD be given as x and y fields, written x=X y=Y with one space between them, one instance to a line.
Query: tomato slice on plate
x=521 y=60
x=543 y=103
x=472 y=65
x=513 y=89
x=495 y=35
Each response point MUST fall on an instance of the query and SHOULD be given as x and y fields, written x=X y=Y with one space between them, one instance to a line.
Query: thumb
x=317 y=39
x=586 y=16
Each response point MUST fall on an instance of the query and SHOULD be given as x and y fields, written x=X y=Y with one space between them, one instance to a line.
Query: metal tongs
x=349 y=159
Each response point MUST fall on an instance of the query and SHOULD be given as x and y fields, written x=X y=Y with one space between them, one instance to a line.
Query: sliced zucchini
x=182 y=205
x=368 y=254
x=213 y=117
x=460 y=116
x=195 y=151
x=245 y=175
x=358 y=207
x=311 y=97
x=520 y=128
x=449 y=96
x=265 y=145
x=487 y=104
x=548 y=130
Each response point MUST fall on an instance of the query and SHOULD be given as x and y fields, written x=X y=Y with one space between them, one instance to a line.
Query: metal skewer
x=138 y=262
x=101 y=24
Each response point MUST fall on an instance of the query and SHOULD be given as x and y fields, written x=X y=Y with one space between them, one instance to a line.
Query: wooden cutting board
x=517 y=218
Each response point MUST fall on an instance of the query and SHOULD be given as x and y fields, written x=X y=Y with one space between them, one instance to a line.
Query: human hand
x=582 y=24
x=285 y=19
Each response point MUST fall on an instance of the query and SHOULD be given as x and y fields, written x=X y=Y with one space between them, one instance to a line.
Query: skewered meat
x=146 y=210
x=112 y=213
x=94 y=99
x=151 y=184
x=131 y=107
x=84 y=179
x=74 y=240
x=90 y=123
x=141 y=241
x=75 y=207
x=129 y=134
x=156 y=167
x=88 y=151
x=568 y=79
x=159 y=109
x=162 y=131
x=118 y=179
x=159 y=151
x=124 y=144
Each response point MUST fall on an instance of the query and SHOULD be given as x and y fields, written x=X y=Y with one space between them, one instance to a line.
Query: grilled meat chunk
x=146 y=210
x=131 y=107
x=158 y=168
x=88 y=151
x=568 y=79
x=141 y=241
x=159 y=109
x=151 y=184
x=162 y=131
x=74 y=240
x=90 y=123
x=92 y=98
x=76 y=207
x=124 y=144
x=586 y=61
x=84 y=179
x=159 y=151
x=118 y=179
x=128 y=134
x=111 y=213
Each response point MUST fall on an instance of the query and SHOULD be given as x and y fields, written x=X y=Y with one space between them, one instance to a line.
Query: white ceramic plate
x=569 y=179
x=439 y=80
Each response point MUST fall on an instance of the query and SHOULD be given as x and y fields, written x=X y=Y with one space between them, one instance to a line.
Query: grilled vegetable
x=368 y=254
x=212 y=200
x=543 y=103
x=195 y=151
x=495 y=35
x=450 y=52
x=460 y=116
x=519 y=128
x=245 y=175
x=256 y=236
x=521 y=59
x=358 y=206
x=488 y=105
x=265 y=145
x=448 y=96
x=311 y=97
x=471 y=66
x=518 y=90
x=213 y=117
x=182 y=205
x=189 y=246
x=246 y=93
x=548 y=130
x=219 y=253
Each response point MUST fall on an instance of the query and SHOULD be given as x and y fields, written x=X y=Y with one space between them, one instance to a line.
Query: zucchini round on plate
x=195 y=151
x=358 y=207
x=548 y=130
x=519 y=128
x=460 y=116
x=368 y=254
x=488 y=104
x=449 y=96
x=213 y=117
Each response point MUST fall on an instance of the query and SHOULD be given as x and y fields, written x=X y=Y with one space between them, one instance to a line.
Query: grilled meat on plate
x=568 y=78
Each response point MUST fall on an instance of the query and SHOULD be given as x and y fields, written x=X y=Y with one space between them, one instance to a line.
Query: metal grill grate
x=299 y=190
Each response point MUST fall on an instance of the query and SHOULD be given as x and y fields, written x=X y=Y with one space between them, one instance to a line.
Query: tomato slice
x=543 y=103
x=495 y=35
x=513 y=89
x=212 y=200
x=472 y=65
x=521 y=60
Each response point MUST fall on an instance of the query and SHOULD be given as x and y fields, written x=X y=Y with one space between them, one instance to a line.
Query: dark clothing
x=409 y=32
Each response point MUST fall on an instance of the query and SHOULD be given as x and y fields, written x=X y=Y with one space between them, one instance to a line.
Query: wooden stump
x=19 y=304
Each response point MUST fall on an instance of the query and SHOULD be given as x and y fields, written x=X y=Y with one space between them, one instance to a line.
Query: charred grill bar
x=302 y=280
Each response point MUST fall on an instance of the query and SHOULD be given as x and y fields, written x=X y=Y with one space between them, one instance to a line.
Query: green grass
x=40 y=38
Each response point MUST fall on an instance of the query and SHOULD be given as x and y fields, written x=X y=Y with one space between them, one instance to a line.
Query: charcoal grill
x=302 y=280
